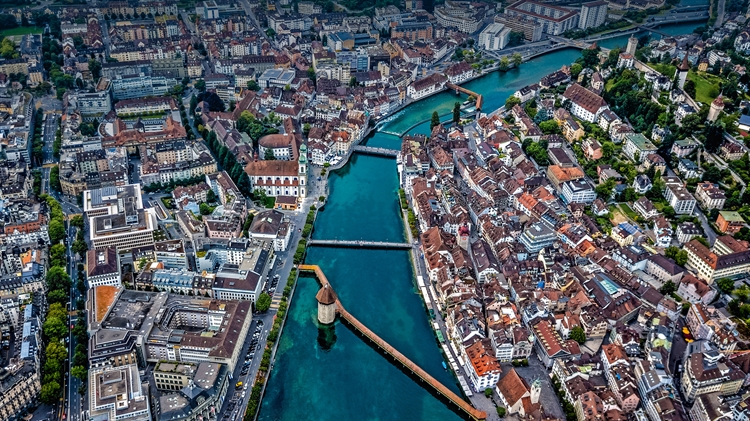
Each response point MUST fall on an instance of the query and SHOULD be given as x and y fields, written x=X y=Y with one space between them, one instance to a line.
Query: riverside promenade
x=464 y=406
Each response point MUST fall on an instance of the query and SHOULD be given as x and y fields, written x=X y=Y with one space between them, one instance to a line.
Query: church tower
x=536 y=391
x=683 y=69
x=326 y=305
x=302 y=170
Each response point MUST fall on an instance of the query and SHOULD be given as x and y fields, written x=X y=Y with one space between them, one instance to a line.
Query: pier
x=360 y=244
x=370 y=150
x=479 y=97
x=358 y=326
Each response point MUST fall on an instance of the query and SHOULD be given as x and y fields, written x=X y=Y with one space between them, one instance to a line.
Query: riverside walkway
x=375 y=151
x=360 y=243
x=393 y=352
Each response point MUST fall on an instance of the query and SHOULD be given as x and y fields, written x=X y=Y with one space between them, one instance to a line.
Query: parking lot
x=244 y=373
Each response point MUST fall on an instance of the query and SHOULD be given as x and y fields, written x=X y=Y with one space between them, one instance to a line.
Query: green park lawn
x=667 y=70
x=629 y=212
x=21 y=30
x=706 y=86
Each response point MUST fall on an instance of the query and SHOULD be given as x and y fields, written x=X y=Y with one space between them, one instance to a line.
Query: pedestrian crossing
x=275 y=302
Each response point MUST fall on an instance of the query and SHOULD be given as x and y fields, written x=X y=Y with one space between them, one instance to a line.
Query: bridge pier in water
x=327 y=295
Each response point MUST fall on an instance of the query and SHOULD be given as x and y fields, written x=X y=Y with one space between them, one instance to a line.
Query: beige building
x=117 y=218
x=18 y=390
x=117 y=393
x=170 y=375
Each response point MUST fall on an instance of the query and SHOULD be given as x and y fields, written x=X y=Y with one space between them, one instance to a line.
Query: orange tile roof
x=483 y=361
x=104 y=296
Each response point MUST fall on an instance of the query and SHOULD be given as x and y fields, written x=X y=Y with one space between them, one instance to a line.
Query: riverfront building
x=554 y=19
x=494 y=37
x=593 y=14
x=150 y=327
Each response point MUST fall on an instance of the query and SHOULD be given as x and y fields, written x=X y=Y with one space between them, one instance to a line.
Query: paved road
x=49 y=131
x=720 y=14
x=74 y=401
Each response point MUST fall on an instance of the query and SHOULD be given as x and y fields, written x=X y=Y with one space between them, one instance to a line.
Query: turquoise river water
x=330 y=374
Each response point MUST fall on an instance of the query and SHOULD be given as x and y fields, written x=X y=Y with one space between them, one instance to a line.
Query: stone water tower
x=326 y=305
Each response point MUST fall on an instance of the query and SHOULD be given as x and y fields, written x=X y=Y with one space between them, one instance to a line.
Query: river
x=330 y=374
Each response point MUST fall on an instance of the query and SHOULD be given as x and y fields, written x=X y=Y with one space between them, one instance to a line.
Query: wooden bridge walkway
x=479 y=97
x=393 y=352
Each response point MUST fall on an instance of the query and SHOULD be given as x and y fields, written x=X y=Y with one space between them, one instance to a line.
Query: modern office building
x=593 y=14
x=494 y=37
x=117 y=218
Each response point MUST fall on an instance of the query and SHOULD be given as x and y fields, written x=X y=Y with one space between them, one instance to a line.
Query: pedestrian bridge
x=376 y=151
x=427 y=380
x=360 y=244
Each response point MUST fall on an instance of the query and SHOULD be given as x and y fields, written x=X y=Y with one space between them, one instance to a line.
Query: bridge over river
x=428 y=381
x=360 y=243
x=371 y=150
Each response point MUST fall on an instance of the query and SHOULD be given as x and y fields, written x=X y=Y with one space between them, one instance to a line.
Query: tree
x=57 y=255
x=268 y=155
x=210 y=196
x=488 y=392
x=435 y=120
x=500 y=411
x=577 y=334
x=668 y=288
x=80 y=247
x=504 y=63
x=57 y=278
x=56 y=231
x=725 y=285
x=549 y=127
x=77 y=221
x=263 y=303
x=681 y=258
x=50 y=392
x=517 y=59
x=689 y=88
x=95 y=68
x=311 y=73
x=604 y=190
x=511 y=102
x=205 y=209
x=80 y=372
x=515 y=38
x=200 y=85
x=575 y=70
x=253 y=85
x=456 y=112
x=54 y=327
x=353 y=81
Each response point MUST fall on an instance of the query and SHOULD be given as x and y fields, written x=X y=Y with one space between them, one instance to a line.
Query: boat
x=432 y=313
x=445 y=367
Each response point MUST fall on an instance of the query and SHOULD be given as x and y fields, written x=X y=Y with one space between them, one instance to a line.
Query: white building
x=584 y=103
x=578 y=191
x=273 y=226
x=593 y=14
x=679 y=197
x=426 y=86
x=494 y=37
x=279 y=144
x=103 y=267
